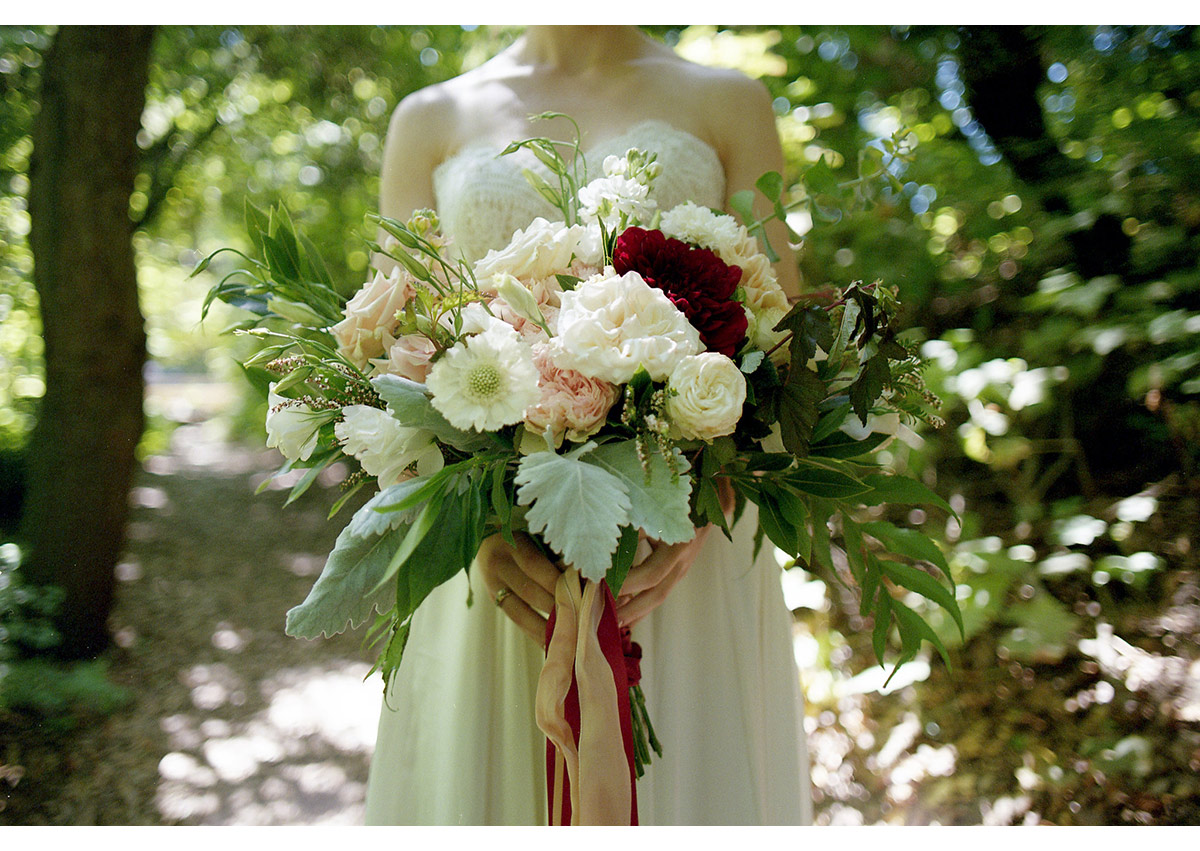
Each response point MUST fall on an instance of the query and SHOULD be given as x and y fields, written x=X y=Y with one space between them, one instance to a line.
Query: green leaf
x=846 y=328
x=772 y=518
x=798 y=401
x=742 y=203
x=912 y=630
x=908 y=542
x=348 y=589
x=830 y=421
x=823 y=479
x=409 y=403
x=449 y=546
x=771 y=185
x=901 y=490
x=854 y=549
x=844 y=446
x=883 y=622
x=872 y=377
x=810 y=328
x=622 y=559
x=915 y=579
x=659 y=507
x=577 y=507
x=568 y=282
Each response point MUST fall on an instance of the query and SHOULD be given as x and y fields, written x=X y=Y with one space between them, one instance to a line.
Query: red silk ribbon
x=623 y=657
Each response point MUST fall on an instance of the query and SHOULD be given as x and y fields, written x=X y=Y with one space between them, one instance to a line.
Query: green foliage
x=35 y=683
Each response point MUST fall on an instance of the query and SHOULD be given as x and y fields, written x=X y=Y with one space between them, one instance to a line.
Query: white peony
x=292 y=426
x=485 y=382
x=384 y=447
x=705 y=396
x=611 y=324
x=539 y=251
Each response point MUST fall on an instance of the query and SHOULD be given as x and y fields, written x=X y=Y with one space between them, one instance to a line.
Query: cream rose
x=611 y=324
x=539 y=251
x=384 y=447
x=366 y=332
x=705 y=395
x=571 y=404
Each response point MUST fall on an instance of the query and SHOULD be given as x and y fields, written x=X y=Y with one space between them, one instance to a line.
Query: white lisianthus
x=485 y=382
x=292 y=426
x=611 y=324
x=705 y=395
x=888 y=423
x=538 y=251
x=384 y=447
x=519 y=298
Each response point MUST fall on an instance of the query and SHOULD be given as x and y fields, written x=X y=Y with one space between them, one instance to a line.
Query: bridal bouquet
x=589 y=384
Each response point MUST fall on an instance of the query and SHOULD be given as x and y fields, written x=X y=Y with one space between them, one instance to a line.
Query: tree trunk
x=81 y=453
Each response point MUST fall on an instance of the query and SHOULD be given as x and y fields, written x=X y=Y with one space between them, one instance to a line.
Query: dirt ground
x=232 y=722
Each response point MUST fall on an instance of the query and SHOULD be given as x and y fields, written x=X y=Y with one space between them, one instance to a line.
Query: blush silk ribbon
x=583 y=708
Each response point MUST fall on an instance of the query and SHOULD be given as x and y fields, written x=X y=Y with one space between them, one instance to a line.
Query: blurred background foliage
x=1044 y=236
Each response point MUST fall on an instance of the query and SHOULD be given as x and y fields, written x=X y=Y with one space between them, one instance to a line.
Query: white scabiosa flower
x=384 y=447
x=486 y=381
x=706 y=394
x=292 y=426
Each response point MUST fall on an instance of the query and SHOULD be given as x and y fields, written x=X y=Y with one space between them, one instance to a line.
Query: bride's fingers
x=530 y=622
x=516 y=578
x=536 y=566
x=632 y=609
x=651 y=571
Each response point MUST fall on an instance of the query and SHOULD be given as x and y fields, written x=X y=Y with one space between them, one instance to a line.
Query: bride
x=457 y=741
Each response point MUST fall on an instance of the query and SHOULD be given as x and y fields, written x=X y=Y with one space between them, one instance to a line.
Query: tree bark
x=81 y=452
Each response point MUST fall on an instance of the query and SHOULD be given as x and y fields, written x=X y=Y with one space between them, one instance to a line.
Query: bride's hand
x=527 y=576
x=647 y=585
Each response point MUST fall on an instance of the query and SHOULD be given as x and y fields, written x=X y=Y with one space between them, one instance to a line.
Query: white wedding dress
x=457 y=739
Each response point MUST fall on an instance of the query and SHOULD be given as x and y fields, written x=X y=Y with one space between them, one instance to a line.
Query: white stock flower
x=608 y=198
x=384 y=447
x=486 y=381
x=611 y=324
x=538 y=251
x=701 y=226
x=705 y=396
x=292 y=426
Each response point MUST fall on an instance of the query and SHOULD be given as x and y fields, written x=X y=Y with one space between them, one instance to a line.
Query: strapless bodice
x=482 y=198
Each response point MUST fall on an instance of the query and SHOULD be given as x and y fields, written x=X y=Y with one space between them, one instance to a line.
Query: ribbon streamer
x=583 y=708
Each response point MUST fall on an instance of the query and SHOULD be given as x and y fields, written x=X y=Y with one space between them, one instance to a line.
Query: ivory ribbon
x=597 y=765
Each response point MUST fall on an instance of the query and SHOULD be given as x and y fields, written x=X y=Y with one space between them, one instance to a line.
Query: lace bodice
x=482 y=199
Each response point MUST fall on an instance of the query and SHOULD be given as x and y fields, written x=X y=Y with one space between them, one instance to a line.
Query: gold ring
x=502 y=595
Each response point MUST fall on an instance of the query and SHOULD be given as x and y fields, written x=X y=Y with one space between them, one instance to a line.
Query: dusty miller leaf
x=658 y=507
x=578 y=508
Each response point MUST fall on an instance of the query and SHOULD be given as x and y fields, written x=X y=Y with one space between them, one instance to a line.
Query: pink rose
x=570 y=403
x=408 y=357
x=366 y=331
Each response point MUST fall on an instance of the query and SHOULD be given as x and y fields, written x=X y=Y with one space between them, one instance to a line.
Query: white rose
x=539 y=251
x=384 y=447
x=705 y=396
x=611 y=324
x=292 y=426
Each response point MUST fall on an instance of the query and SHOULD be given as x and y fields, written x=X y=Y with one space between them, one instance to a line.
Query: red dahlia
x=696 y=281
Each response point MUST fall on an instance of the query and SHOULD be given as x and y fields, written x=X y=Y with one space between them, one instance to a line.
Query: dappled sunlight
x=285 y=764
